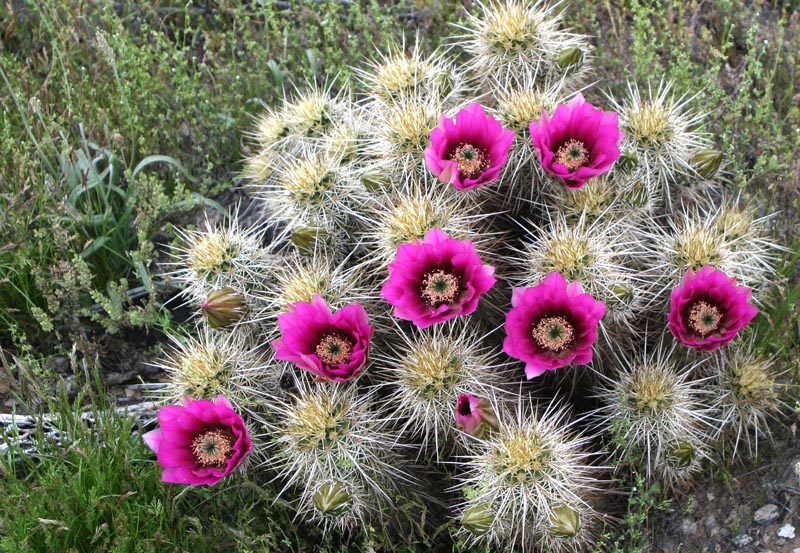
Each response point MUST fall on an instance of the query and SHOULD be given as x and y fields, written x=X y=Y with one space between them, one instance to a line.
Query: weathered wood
x=20 y=431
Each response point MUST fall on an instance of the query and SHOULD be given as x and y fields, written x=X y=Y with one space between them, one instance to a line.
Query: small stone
x=741 y=540
x=711 y=525
x=766 y=514
x=711 y=496
x=796 y=550
x=688 y=526
x=786 y=531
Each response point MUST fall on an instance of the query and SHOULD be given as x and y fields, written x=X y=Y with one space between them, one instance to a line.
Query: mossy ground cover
x=121 y=120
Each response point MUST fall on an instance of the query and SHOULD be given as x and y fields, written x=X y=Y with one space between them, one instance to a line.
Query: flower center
x=334 y=348
x=553 y=333
x=440 y=287
x=572 y=154
x=464 y=408
x=471 y=160
x=704 y=318
x=213 y=447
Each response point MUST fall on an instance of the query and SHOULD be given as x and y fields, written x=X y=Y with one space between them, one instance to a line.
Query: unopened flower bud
x=224 y=308
x=478 y=519
x=707 y=162
x=474 y=415
x=682 y=454
x=638 y=195
x=374 y=180
x=620 y=294
x=626 y=162
x=565 y=522
x=332 y=498
x=446 y=82
x=305 y=237
x=570 y=57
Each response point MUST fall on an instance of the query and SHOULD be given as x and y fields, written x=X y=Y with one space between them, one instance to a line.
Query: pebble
x=786 y=531
x=766 y=514
x=688 y=526
x=741 y=540
x=711 y=525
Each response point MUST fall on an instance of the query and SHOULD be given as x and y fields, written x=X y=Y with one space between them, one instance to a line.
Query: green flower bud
x=224 y=308
x=565 y=522
x=638 y=195
x=374 y=180
x=332 y=498
x=707 y=162
x=682 y=454
x=305 y=237
x=478 y=519
x=446 y=82
x=626 y=162
x=621 y=294
x=570 y=57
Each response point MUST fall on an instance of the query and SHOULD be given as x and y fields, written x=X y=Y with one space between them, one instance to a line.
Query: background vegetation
x=120 y=120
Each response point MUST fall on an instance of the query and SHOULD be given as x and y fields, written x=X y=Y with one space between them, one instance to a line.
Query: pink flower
x=199 y=442
x=470 y=151
x=332 y=346
x=474 y=415
x=435 y=279
x=552 y=325
x=579 y=141
x=708 y=309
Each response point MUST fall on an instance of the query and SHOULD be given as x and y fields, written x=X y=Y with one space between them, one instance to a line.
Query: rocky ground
x=748 y=509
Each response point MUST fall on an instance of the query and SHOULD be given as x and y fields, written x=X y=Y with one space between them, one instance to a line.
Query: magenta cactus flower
x=436 y=279
x=708 y=309
x=552 y=325
x=199 y=442
x=469 y=151
x=578 y=142
x=332 y=346
x=474 y=415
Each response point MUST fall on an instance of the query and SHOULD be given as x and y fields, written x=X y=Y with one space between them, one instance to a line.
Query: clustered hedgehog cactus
x=476 y=273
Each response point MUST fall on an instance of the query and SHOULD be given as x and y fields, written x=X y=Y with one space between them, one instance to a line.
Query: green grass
x=89 y=94
x=100 y=490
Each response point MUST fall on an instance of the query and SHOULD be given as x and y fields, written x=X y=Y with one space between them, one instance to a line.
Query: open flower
x=199 y=442
x=708 y=309
x=474 y=415
x=332 y=346
x=470 y=151
x=578 y=142
x=436 y=279
x=552 y=325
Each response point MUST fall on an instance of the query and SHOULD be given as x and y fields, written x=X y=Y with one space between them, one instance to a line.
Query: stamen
x=213 y=447
x=335 y=348
x=553 y=333
x=471 y=160
x=704 y=318
x=440 y=287
x=572 y=154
